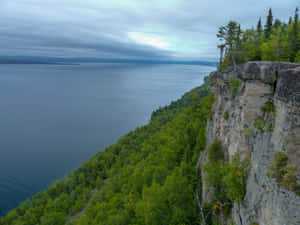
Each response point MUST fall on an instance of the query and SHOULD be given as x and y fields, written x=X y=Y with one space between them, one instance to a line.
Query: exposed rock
x=266 y=202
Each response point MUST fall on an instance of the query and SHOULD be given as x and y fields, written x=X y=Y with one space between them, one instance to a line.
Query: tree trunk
x=200 y=208
x=221 y=55
x=232 y=58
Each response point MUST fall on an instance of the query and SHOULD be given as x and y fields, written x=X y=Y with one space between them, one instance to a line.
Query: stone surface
x=266 y=202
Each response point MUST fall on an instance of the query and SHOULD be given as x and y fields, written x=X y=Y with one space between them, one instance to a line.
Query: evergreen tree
x=277 y=23
x=259 y=27
x=294 y=41
x=276 y=41
x=269 y=24
x=231 y=35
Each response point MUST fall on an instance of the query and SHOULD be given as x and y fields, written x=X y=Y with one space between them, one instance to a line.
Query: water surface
x=54 y=117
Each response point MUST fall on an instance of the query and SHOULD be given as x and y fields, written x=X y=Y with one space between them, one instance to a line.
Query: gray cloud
x=96 y=28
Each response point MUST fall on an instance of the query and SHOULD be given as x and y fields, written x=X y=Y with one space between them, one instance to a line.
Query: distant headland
x=78 y=60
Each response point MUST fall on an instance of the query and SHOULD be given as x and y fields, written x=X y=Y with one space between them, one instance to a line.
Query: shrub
x=235 y=176
x=284 y=173
x=215 y=151
x=269 y=108
x=289 y=179
x=227 y=179
x=270 y=127
x=214 y=171
x=231 y=222
x=248 y=132
x=234 y=84
x=260 y=123
x=277 y=169
x=226 y=115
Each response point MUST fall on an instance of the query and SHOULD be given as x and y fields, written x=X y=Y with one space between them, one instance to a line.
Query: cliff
x=257 y=113
x=245 y=141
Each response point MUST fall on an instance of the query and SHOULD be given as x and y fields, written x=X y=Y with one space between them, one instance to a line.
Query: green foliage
x=259 y=26
x=289 y=179
x=167 y=113
x=269 y=25
x=270 y=127
x=284 y=172
x=147 y=177
x=234 y=84
x=215 y=151
x=260 y=123
x=269 y=108
x=171 y=203
x=230 y=35
x=226 y=179
x=294 y=44
x=226 y=115
x=248 y=132
x=278 y=41
x=234 y=179
x=297 y=57
x=277 y=169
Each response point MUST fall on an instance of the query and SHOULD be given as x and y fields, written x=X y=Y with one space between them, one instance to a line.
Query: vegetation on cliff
x=226 y=181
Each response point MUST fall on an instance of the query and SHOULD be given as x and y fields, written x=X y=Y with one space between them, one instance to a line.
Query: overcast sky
x=126 y=28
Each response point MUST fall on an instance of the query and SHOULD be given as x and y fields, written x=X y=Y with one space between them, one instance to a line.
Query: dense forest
x=275 y=41
x=147 y=177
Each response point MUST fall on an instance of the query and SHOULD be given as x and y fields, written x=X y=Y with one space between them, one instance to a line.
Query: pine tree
x=231 y=36
x=294 y=41
x=277 y=23
x=259 y=27
x=269 y=24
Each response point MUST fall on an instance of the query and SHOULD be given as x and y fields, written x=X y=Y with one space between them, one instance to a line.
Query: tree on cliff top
x=269 y=24
x=295 y=46
x=230 y=35
x=277 y=41
x=259 y=26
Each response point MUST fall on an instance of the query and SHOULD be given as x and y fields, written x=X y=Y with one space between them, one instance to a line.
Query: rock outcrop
x=257 y=133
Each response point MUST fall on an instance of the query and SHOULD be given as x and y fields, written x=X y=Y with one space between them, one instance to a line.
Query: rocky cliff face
x=257 y=113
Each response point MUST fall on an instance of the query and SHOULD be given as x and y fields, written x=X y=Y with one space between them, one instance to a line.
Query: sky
x=138 y=29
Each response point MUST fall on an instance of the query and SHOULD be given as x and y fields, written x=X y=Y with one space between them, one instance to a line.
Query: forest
x=275 y=41
x=147 y=177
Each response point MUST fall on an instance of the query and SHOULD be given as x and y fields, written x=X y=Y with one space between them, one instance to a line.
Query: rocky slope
x=257 y=113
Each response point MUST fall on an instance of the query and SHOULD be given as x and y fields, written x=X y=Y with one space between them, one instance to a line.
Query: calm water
x=53 y=118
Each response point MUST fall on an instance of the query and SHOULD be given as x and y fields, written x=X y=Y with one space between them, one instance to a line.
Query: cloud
x=152 y=41
x=125 y=29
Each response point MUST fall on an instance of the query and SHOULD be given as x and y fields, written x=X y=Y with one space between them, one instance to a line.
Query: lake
x=54 y=117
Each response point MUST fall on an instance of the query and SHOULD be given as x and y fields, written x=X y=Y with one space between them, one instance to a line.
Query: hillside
x=228 y=157
x=147 y=177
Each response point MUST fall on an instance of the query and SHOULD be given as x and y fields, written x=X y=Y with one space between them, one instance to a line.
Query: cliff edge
x=257 y=113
